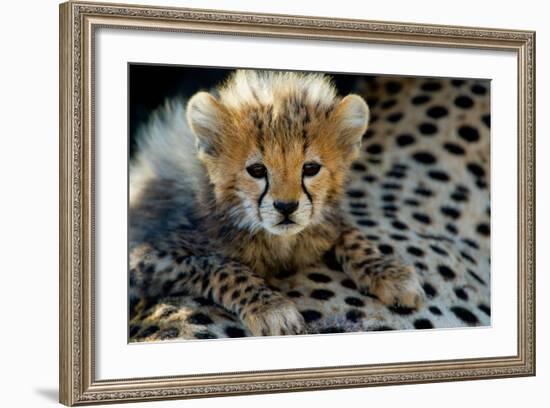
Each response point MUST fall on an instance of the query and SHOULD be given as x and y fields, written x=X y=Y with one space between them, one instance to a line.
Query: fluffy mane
x=252 y=87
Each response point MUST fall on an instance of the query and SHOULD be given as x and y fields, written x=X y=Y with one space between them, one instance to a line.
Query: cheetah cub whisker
x=242 y=182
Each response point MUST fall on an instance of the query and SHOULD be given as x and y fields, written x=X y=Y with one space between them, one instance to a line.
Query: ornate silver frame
x=78 y=22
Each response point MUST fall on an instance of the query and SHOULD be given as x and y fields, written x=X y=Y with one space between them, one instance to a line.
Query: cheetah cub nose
x=285 y=207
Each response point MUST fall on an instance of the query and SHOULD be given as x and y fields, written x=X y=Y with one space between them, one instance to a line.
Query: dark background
x=150 y=85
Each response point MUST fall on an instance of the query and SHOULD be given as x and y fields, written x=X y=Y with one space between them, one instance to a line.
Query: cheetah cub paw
x=274 y=316
x=392 y=283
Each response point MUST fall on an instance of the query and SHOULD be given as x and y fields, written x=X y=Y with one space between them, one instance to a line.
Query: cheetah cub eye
x=311 y=169
x=257 y=170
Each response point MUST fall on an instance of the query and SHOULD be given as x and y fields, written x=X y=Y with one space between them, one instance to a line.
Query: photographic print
x=269 y=203
x=318 y=204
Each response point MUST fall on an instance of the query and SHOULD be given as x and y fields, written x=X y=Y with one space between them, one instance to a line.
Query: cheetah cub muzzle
x=245 y=181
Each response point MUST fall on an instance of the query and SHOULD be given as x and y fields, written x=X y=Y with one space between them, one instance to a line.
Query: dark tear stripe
x=307 y=193
x=262 y=197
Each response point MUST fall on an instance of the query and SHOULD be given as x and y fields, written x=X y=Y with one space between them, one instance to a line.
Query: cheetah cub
x=244 y=182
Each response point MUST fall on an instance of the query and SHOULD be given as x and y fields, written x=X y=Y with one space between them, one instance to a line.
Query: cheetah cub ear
x=206 y=117
x=351 y=118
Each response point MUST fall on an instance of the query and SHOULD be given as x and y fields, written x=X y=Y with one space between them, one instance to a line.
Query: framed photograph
x=255 y=203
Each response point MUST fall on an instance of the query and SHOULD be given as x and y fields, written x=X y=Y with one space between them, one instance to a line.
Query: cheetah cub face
x=277 y=147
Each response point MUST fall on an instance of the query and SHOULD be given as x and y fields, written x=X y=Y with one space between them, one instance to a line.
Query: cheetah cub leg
x=385 y=277
x=235 y=287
